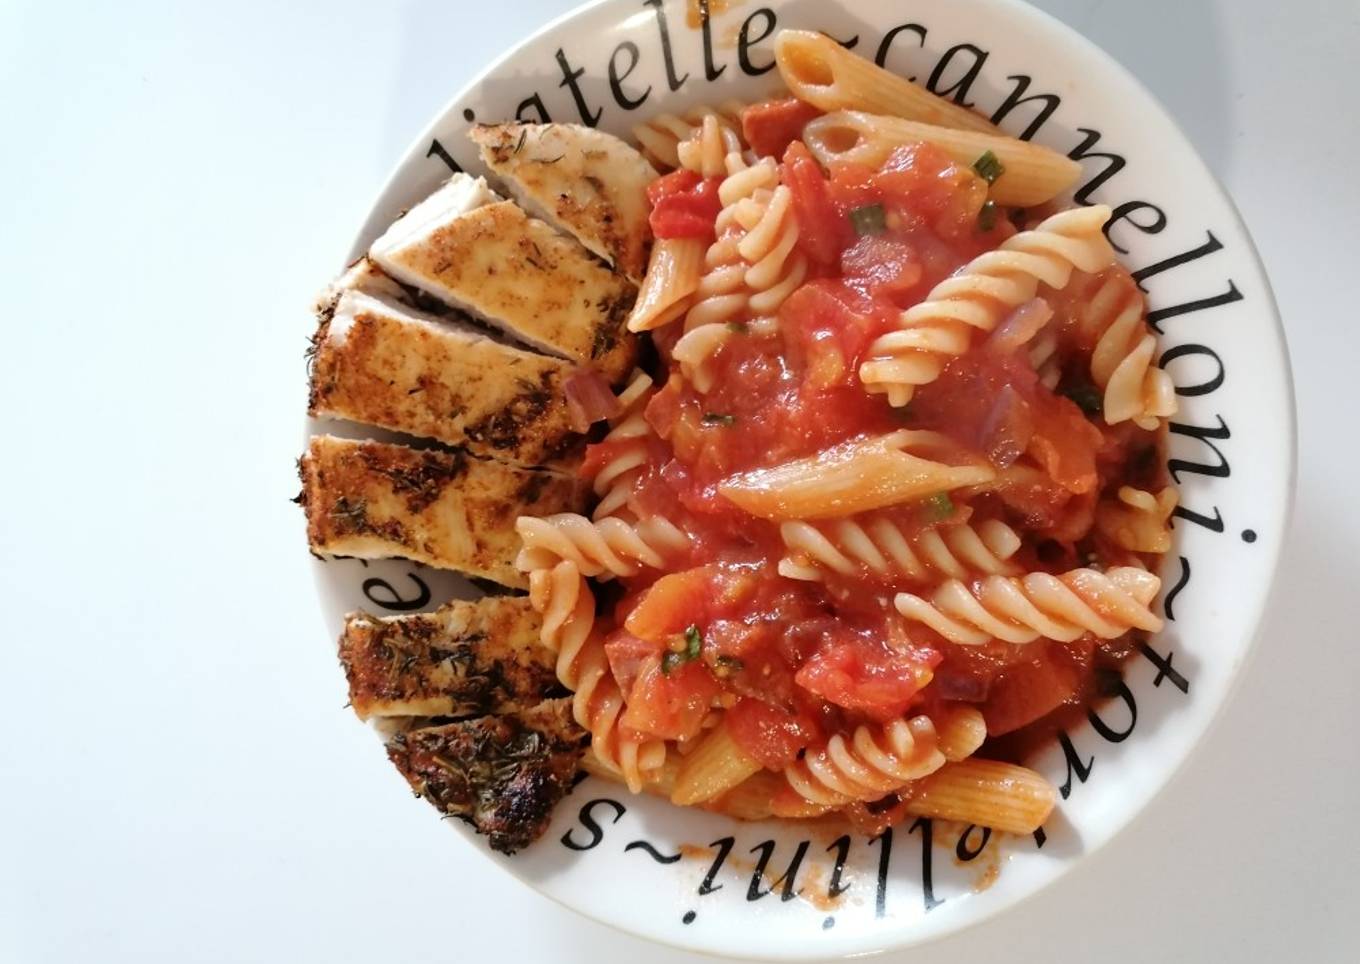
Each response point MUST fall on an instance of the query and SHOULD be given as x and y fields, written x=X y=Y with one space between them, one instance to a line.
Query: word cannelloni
x=825 y=433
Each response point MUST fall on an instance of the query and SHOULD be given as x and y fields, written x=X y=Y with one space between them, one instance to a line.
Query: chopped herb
x=987 y=216
x=350 y=516
x=551 y=160
x=939 y=507
x=692 y=643
x=716 y=418
x=726 y=666
x=989 y=167
x=519 y=145
x=738 y=327
x=1087 y=397
x=870 y=219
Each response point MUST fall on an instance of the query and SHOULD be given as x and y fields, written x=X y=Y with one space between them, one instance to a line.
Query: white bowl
x=708 y=883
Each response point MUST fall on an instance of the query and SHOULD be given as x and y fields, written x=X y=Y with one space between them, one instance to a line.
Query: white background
x=178 y=781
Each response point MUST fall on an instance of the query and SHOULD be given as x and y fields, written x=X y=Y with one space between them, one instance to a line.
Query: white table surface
x=178 y=781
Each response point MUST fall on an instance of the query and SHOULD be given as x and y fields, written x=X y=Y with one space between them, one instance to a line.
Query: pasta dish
x=815 y=447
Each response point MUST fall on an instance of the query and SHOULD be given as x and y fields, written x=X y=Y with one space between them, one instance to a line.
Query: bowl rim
x=1175 y=767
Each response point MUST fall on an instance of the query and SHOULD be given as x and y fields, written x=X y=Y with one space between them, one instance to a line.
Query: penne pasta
x=1033 y=174
x=673 y=275
x=1003 y=796
x=855 y=477
x=990 y=794
x=826 y=75
x=715 y=766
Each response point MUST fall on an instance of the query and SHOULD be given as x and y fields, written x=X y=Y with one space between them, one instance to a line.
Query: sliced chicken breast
x=466 y=659
x=502 y=774
x=484 y=255
x=373 y=500
x=589 y=184
x=378 y=362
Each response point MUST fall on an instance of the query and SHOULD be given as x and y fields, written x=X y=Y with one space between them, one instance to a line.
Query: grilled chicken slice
x=588 y=183
x=366 y=277
x=502 y=774
x=378 y=362
x=373 y=500
x=476 y=252
x=466 y=659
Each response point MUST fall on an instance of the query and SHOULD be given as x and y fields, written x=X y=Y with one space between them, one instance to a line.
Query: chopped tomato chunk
x=675 y=602
x=770 y=127
x=860 y=675
x=670 y=704
x=684 y=205
x=823 y=230
x=770 y=734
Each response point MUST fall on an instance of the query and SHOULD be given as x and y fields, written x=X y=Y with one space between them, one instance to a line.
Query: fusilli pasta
x=628 y=439
x=1021 y=610
x=723 y=300
x=709 y=149
x=877 y=543
x=873 y=762
x=1138 y=521
x=562 y=596
x=1125 y=349
x=602 y=550
x=660 y=137
x=979 y=296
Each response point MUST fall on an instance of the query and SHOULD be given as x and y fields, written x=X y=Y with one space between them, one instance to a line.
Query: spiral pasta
x=979 y=296
x=1021 y=610
x=627 y=436
x=1122 y=364
x=563 y=598
x=876 y=543
x=661 y=136
x=709 y=149
x=960 y=729
x=603 y=550
x=753 y=266
x=770 y=247
x=1138 y=521
x=723 y=301
x=873 y=762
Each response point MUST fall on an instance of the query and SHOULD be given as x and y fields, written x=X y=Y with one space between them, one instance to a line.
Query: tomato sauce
x=793 y=662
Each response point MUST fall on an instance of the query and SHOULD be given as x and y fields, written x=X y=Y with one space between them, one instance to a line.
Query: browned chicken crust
x=374 y=500
x=589 y=183
x=384 y=364
x=465 y=659
x=502 y=774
